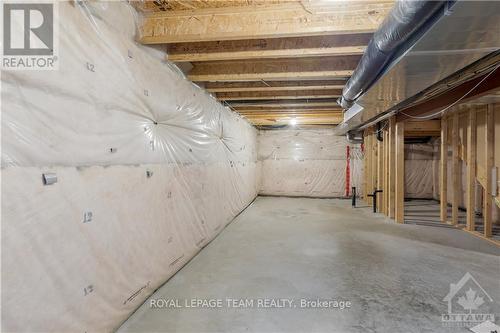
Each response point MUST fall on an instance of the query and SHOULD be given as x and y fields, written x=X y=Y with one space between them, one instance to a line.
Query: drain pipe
x=406 y=23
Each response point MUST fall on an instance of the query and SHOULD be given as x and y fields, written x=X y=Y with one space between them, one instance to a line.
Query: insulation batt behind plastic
x=309 y=162
x=149 y=169
x=421 y=171
x=313 y=162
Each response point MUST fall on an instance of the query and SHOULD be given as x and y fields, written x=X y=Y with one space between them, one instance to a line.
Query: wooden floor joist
x=336 y=118
x=294 y=94
x=273 y=85
x=269 y=48
x=292 y=114
x=286 y=111
x=290 y=19
x=330 y=120
x=286 y=104
x=299 y=116
x=284 y=107
x=274 y=69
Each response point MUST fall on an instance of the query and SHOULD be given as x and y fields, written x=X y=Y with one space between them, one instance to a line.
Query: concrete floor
x=395 y=276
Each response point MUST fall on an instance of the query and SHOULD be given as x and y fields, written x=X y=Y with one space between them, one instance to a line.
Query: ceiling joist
x=274 y=69
x=273 y=85
x=269 y=60
x=337 y=117
x=319 y=115
x=291 y=19
x=269 y=48
x=330 y=120
x=297 y=94
x=280 y=111
x=285 y=104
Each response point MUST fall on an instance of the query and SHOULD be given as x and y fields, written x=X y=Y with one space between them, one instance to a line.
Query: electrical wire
x=382 y=128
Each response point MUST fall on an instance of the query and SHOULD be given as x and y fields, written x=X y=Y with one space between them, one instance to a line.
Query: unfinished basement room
x=265 y=166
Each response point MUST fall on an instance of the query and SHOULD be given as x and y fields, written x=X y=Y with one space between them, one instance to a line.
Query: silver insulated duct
x=404 y=25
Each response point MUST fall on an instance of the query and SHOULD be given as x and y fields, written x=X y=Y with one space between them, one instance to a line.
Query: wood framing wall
x=468 y=167
x=384 y=168
x=472 y=129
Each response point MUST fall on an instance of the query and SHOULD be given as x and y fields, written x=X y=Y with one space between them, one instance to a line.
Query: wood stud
x=455 y=171
x=471 y=168
x=400 y=172
x=489 y=156
x=443 y=186
x=392 y=166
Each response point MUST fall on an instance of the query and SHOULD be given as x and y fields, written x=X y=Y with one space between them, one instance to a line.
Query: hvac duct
x=355 y=136
x=405 y=24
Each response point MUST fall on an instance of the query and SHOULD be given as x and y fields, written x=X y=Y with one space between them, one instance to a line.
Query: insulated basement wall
x=421 y=166
x=149 y=169
x=308 y=162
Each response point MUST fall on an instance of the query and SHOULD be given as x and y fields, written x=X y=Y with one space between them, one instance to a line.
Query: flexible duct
x=405 y=24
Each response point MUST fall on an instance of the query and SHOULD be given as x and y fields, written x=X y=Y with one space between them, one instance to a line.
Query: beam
x=294 y=94
x=273 y=85
x=454 y=168
x=400 y=172
x=423 y=128
x=274 y=69
x=471 y=168
x=488 y=163
x=292 y=47
x=289 y=19
x=471 y=89
x=443 y=186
